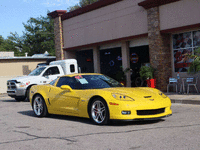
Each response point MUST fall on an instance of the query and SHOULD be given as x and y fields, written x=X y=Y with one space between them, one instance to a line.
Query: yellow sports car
x=98 y=97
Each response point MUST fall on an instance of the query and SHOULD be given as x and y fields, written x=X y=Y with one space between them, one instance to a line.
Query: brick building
x=111 y=33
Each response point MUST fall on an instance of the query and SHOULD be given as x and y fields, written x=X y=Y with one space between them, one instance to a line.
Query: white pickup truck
x=19 y=87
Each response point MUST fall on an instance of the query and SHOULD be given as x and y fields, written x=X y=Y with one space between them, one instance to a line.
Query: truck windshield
x=37 y=71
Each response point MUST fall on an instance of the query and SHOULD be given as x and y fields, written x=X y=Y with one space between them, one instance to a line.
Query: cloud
x=53 y=3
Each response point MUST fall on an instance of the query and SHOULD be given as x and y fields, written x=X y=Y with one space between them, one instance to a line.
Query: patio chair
x=192 y=82
x=172 y=82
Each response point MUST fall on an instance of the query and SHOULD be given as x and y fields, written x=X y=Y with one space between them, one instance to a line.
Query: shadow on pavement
x=88 y=121
x=12 y=100
x=134 y=122
x=27 y=113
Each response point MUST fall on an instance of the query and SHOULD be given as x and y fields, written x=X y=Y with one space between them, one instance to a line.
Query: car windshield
x=37 y=71
x=89 y=82
x=53 y=81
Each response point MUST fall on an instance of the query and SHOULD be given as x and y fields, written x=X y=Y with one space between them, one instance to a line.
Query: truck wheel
x=18 y=99
x=27 y=94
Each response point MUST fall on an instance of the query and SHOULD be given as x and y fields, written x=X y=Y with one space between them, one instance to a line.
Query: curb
x=193 y=102
x=3 y=94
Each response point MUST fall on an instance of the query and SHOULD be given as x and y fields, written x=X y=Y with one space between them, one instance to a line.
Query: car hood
x=139 y=92
x=25 y=78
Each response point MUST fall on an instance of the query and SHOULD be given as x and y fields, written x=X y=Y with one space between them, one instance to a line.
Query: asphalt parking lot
x=20 y=129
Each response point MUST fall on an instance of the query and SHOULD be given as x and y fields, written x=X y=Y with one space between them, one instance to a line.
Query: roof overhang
x=57 y=13
x=96 y=5
x=154 y=3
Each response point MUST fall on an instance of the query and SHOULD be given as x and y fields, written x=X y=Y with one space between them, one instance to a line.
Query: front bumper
x=141 y=111
x=145 y=119
x=14 y=90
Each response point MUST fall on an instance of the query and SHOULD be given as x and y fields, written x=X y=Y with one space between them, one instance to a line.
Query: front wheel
x=39 y=106
x=99 y=112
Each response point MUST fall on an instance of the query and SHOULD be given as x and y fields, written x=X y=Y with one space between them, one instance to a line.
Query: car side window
x=52 y=71
x=71 y=81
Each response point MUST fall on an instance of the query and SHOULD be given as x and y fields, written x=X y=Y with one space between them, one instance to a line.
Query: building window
x=184 y=44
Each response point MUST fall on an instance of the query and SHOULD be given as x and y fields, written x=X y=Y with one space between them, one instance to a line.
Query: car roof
x=78 y=74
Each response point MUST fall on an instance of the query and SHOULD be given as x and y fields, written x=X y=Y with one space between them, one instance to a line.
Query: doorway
x=138 y=57
x=85 y=61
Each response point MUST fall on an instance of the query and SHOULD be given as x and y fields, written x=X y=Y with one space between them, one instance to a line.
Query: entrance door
x=85 y=61
x=111 y=62
x=138 y=56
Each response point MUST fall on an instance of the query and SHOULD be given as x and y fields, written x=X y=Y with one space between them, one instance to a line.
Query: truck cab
x=18 y=88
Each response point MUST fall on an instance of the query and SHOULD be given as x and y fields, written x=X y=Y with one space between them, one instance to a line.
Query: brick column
x=159 y=49
x=58 y=38
x=58 y=33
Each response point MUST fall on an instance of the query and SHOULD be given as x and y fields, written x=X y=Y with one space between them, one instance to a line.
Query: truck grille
x=11 y=85
x=151 y=111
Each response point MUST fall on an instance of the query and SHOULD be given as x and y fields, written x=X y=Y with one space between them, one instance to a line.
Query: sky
x=14 y=12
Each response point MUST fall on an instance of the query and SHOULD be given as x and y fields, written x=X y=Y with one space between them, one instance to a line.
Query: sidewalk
x=192 y=98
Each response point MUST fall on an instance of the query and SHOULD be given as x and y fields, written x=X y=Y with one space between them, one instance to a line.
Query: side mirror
x=66 y=88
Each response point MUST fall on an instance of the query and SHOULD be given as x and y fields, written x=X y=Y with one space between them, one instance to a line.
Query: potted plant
x=147 y=73
x=194 y=67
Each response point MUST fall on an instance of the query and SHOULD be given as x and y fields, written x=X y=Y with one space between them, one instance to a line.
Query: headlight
x=162 y=94
x=122 y=97
x=21 y=84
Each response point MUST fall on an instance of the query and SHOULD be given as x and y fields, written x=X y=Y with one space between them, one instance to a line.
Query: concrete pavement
x=191 y=98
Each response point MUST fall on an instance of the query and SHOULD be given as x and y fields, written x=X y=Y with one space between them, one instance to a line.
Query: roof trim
x=155 y=3
x=181 y=28
x=88 y=8
x=105 y=42
x=57 y=13
x=34 y=58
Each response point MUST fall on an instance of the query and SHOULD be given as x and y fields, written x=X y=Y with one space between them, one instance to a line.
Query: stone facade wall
x=58 y=38
x=159 y=49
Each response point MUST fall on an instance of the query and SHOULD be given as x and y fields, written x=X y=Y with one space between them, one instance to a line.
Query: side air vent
x=147 y=96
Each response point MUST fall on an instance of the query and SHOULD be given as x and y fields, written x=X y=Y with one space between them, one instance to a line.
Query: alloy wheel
x=38 y=105
x=98 y=112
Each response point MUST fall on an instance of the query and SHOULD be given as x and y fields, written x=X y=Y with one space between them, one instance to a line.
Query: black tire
x=39 y=106
x=99 y=113
x=27 y=94
x=19 y=99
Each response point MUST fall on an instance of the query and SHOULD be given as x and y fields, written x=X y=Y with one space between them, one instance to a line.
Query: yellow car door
x=63 y=100
x=69 y=101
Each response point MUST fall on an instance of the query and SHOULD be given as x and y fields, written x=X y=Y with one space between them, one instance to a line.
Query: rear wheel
x=39 y=106
x=99 y=112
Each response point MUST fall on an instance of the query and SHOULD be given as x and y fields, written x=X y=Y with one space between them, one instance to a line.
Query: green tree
x=38 y=36
x=9 y=45
x=2 y=42
x=82 y=3
x=15 y=42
